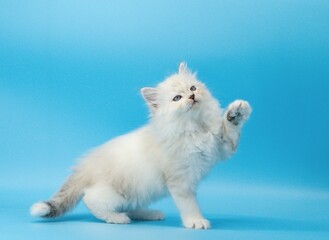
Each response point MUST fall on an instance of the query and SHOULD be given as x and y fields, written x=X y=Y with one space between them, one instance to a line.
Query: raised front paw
x=196 y=223
x=238 y=112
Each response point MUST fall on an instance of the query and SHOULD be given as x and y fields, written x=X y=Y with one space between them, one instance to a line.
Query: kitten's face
x=179 y=94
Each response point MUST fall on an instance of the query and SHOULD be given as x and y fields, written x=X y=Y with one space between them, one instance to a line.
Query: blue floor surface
x=236 y=212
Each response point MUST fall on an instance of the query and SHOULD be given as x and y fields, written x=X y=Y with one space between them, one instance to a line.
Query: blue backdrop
x=70 y=74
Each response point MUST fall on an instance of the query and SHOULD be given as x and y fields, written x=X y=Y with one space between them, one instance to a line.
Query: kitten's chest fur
x=191 y=149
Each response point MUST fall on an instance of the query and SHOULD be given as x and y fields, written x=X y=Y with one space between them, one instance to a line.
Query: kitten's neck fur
x=201 y=121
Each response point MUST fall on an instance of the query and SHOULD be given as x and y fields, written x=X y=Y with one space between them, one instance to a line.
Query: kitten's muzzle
x=192 y=97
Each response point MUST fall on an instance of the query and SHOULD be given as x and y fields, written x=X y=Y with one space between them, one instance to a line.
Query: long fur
x=183 y=140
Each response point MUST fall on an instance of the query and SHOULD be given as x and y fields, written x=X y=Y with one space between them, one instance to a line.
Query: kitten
x=187 y=135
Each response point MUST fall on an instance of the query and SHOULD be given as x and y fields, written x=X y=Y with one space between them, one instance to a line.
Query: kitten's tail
x=64 y=200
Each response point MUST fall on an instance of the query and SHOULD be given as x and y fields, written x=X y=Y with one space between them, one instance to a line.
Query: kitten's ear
x=183 y=68
x=150 y=95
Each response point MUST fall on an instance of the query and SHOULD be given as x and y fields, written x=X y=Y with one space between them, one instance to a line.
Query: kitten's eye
x=193 y=88
x=177 y=98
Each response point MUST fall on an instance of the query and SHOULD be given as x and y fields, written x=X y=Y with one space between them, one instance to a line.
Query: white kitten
x=186 y=136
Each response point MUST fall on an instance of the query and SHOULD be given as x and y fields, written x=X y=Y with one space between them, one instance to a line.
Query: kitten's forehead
x=179 y=82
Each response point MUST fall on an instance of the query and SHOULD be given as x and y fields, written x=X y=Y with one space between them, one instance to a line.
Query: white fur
x=39 y=209
x=170 y=155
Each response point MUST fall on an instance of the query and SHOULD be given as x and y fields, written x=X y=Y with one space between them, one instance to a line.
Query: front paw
x=238 y=112
x=196 y=223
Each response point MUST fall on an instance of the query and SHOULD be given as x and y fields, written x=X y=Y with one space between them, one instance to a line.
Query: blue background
x=70 y=74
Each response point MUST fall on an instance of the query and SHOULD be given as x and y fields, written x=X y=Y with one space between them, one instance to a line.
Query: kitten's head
x=180 y=94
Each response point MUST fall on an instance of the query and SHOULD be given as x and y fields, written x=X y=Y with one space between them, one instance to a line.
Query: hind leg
x=104 y=203
x=146 y=214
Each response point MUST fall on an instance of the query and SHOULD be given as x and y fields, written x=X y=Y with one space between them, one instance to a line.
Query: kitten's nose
x=192 y=96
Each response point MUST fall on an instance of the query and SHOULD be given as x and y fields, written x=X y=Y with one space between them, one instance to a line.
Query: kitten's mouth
x=194 y=102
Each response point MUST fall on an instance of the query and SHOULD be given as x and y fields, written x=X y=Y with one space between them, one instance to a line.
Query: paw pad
x=238 y=112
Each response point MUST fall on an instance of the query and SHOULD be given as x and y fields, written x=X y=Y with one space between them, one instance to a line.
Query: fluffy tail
x=64 y=200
